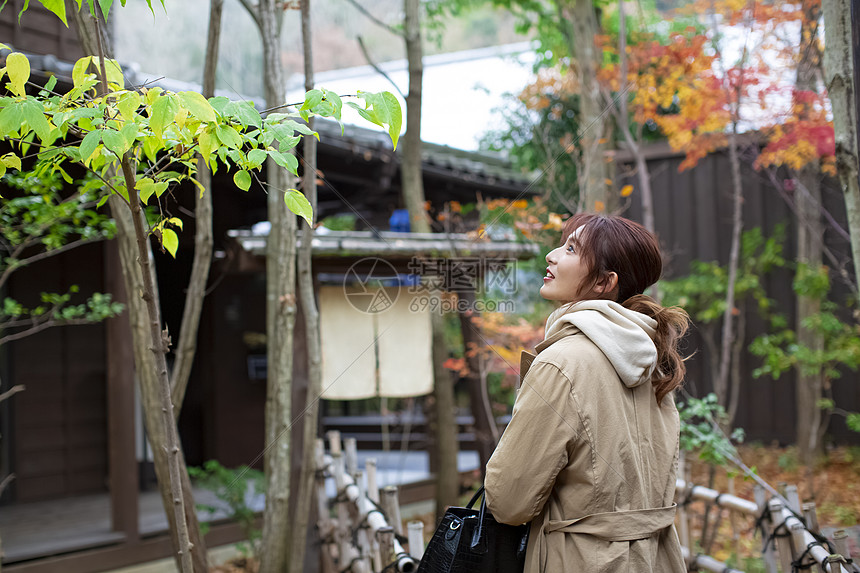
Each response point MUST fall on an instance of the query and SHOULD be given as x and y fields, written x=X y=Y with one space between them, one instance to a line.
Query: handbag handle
x=476 y=534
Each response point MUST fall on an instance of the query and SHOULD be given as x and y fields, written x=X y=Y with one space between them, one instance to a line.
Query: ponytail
x=672 y=324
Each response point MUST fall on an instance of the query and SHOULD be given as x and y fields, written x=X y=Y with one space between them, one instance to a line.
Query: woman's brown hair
x=610 y=244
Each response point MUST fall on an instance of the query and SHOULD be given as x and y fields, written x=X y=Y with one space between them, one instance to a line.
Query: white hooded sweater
x=623 y=335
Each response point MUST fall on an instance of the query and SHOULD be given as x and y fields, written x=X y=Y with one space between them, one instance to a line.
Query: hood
x=623 y=335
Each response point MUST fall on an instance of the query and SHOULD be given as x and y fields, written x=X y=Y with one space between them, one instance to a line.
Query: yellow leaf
x=627 y=190
x=18 y=68
x=599 y=206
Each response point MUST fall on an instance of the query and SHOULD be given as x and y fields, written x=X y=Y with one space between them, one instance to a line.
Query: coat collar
x=526 y=358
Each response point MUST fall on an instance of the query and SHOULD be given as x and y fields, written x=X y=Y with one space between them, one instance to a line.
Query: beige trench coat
x=591 y=463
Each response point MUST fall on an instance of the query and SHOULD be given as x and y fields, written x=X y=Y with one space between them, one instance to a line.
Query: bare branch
x=375 y=67
x=5 y=396
x=44 y=255
x=6 y=481
x=376 y=20
x=253 y=11
x=42 y=326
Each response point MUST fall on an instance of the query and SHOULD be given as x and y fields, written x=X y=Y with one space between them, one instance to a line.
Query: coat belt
x=628 y=525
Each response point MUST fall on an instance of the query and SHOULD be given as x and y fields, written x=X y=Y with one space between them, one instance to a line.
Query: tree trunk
x=413 y=197
x=158 y=345
x=721 y=384
x=642 y=173
x=280 y=316
x=810 y=230
x=410 y=166
x=306 y=487
x=839 y=77
x=144 y=317
x=580 y=26
x=203 y=239
x=447 y=477
x=486 y=433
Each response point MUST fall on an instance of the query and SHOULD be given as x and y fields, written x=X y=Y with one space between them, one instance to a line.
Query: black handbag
x=471 y=541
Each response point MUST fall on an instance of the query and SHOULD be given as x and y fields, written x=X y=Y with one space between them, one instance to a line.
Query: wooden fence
x=362 y=532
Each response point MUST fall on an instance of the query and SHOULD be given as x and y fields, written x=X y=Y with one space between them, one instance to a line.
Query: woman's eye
x=570 y=248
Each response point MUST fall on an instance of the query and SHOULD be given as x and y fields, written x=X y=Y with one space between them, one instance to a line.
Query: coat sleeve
x=534 y=447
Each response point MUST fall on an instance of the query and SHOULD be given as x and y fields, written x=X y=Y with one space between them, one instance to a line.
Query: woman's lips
x=549 y=276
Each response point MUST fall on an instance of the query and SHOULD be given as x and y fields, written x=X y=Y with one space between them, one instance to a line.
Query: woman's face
x=565 y=272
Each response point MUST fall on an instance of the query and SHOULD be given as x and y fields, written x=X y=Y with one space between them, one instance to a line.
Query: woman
x=590 y=453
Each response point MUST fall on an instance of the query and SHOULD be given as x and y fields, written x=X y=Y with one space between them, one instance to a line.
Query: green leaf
x=128 y=105
x=115 y=141
x=285 y=136
x=312 y=99
x=79 y=72
x=387 y=112
x=58 y=7
x=89 y=144
x=336 y=101
x=34 y=115
x=197 y=105
x=299 y=204
x=11 y=118
x=219 y=104
x=206 y=143
x=170 y=241
x=129 y=132
x=113 y=71
x=229 y=136
x=242 y=179
x=18 y=69
x=151 y=147
x=245 y=113
x=286 y=160
x=163 y=113
x=147 y=188
x=105 y=6
x=51 y=83
x=11 y=161
x=256 y=157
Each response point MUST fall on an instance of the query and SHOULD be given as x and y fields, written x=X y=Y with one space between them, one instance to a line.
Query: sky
x=462 y=91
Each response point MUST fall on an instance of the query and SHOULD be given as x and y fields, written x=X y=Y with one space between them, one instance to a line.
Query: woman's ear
x=607 y=284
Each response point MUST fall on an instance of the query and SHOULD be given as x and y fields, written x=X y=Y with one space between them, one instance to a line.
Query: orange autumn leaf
x=627 y=190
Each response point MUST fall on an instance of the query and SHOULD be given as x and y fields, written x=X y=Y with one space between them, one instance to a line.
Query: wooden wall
x=59 y=424
x=693 y=214
x=39 y=32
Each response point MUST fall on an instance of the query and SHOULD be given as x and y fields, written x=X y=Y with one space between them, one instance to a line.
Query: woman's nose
x=550 y=256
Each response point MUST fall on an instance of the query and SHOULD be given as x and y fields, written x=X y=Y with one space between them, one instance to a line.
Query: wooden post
x=333 y=442
x=351 y=449
x=733 y=520
x=840 y=543
x=122 y=463
x=811 y=517
x=385 y=536
x=767 y=527
x=793 y=499
x=372 y=487
x=416 y=539
x=683 y=524
x=391 y=505
x=799 y=545
x=783 y=537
